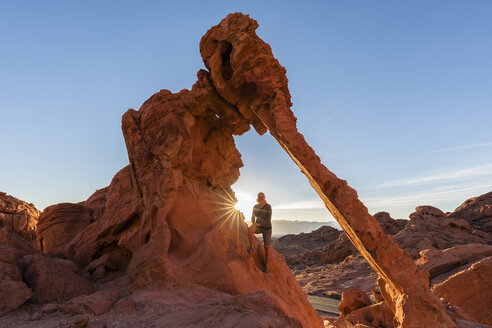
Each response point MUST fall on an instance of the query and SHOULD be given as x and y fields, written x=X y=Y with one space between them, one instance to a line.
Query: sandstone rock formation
x=429 y=228
x=13 y=289
x=477 y=211
x=305 y=249
x=470 y=290
x=53 y=279
x=18 y=215
x=59 y=224
x=167 y=218
x=352 y=299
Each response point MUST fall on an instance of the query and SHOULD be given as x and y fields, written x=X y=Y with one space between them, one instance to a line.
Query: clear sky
x=394 y=96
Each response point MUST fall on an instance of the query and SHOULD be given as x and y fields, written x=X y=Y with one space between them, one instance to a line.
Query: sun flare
x=245 y=203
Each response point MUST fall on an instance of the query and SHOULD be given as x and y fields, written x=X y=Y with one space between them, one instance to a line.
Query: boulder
x=13 y=289
x=19 y=216
x=374 y=315
x=95 y=303
x=53 y=279
x=14 y=294
x=352 y=299
x=436 y=261
x=470 y=290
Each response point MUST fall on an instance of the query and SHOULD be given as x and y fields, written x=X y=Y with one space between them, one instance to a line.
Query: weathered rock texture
x=18 y=215
x=14 y=292
x=430 y=228
x=168 y=218
x=59 y=224
x=53 y=279
x=471 y=290
x=477 y=211
x=247 y=76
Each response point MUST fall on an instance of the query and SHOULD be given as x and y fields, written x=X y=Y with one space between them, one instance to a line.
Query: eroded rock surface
x=471 y=290
x=168 y=219
x=477 y=211
x=59 y=224
x=53 y=279
x=430 y=228
x=13 y=290
x=19 y=216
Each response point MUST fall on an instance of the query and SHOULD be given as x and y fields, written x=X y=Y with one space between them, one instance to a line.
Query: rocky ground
x=454 y=248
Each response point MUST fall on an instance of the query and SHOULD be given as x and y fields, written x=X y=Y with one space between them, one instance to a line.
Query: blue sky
x=394 y=96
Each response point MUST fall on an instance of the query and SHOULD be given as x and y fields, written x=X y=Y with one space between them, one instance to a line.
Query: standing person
x=261 y=223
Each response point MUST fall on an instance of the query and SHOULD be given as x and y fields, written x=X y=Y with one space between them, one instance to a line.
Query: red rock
x=389 y=225
x=95 y=303
x=338 y=249
x=203 y=307
x=353 y=298
x=81 y=320
x=436 y=261
x=49 y=308
x=430 y=228
x=36 y=316
x=97 y=203
x=12 y=247
x=19 y=216
x=59 y=224
x=305 y=249
x=53 y=279
x=125 y=305
x=14 y=294
x=477 y=211
x=245 y=73
x=470 y=290
x=374 y=315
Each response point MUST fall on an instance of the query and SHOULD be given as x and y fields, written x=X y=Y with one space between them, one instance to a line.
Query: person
x=261 y=223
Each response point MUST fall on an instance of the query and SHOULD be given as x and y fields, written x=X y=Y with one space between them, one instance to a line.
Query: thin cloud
x=484 y=144
x=411 y=199
x=465 y=173
x=308 y=204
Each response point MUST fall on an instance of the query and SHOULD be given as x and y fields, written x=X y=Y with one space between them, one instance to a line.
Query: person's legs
x=267 y=237
x=251 y=231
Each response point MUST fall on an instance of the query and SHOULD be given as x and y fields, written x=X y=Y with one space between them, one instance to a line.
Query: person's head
x=260 y=198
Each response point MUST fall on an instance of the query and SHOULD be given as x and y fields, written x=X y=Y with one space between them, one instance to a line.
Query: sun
x=245 y=203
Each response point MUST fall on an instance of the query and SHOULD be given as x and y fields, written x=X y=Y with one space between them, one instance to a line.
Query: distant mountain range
x=284 y=227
